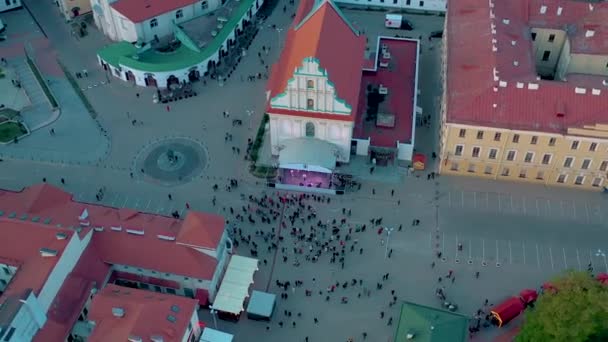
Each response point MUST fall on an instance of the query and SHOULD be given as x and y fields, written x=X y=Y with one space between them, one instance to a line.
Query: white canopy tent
x=235 y=285
x=308 y=154
x=212 y=335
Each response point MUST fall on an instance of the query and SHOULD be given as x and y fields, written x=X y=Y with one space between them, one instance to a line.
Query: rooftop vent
x=503 y=84
x=595 y=91
x=519 y=85
x=581 y=91
x=166 y=237
x=47 y=252
x=506 y=21
x=134 y=338
x=559 y=11
x=135 y=231
x=589 y=33
x=118 y=312
x=98 y=229
x=116 y=229
x=543 y=9
x=157 y=338
x=514 y=42
x=61 y=236
x=516 y=63
x=533 y=86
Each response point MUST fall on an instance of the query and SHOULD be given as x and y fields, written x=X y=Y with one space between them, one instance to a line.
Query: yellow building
x=522 y=99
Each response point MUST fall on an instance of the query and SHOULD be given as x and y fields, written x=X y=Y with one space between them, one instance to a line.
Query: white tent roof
x=308 y=154
x=235 y=285
x=212 y=335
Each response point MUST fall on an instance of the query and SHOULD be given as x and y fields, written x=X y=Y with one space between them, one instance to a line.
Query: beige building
x=526 y=92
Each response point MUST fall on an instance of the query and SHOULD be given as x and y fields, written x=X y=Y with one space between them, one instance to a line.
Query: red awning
x=528 y=295
x=203 y=297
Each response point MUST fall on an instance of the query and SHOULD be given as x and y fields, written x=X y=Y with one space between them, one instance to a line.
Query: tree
x=576 y=311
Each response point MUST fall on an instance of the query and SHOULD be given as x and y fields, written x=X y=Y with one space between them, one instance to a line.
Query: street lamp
x=388 y=240
x=213 y=314
x=279 y=30
x=250 y=114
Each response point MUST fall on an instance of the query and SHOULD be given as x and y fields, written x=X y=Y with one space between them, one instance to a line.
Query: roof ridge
x=316 y=8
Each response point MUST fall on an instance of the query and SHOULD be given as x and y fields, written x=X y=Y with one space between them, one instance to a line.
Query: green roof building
x=421 y=323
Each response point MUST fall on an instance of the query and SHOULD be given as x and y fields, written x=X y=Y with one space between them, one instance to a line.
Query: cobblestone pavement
x=521 y=233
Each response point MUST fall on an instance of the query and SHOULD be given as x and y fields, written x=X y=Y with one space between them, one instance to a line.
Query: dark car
x=436 y=34
x=406 y=25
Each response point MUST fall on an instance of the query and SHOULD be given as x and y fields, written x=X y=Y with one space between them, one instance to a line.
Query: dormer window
x=310 y=84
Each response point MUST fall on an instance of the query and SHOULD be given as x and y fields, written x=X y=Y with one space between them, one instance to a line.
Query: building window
x=462 y=133
x=179 y=14
x=533 y=34
x=310 y=84
x=593 y=147
x=522 y=173
x=551 y=38
x=552 y=142
x=604 y=165
x=579 y=180
x=154 y=22
x=310 y=129
x=170 y=290
x=3 y=282
x=561 y=178
x=488 y=170
x=479 y=135
x=497 y=136
x=475 y=152
x=6 y=270
x=7 y=2
x=534 y=140
x=471 y=168
x=382 y=1
x=568 y=162
x=458 y=150
x=511 y=155
x=394 y=2
x=493 y=153
x=529 y=157
x=454 y=166
x=540 y=175
x=144 y=286
x=586 y=164
x=515 y=138
x=204 y=5
x=505 y=171
x=310 y=104
x=546 y=159
x=597 y=182
x=408 y=2
x=546 y=55
x=574 y=145
x=421 y=3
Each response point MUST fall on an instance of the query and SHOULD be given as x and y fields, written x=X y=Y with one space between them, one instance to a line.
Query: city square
x=165 y=158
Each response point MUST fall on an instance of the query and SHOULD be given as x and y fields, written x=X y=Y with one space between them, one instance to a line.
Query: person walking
x=170 y=197
x=62 y=181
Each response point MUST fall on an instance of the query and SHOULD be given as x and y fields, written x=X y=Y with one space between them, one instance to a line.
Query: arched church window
x=310 y=84
x=310 y=104
x=310 y=129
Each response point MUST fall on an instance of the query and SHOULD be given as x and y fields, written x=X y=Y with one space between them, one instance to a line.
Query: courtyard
x=515 y=235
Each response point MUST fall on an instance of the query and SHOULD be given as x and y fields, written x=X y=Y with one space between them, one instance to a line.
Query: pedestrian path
x=39 y=111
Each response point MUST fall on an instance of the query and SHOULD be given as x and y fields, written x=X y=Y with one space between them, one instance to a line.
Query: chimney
x=47 y=252
x=118 y=312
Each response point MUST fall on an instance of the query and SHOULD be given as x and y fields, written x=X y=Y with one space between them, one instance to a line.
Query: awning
x=235 y=285
x=308 y=154
x=261 y=304
x=212 y=335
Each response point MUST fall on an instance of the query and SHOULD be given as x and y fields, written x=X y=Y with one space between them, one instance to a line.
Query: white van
x=393 y=20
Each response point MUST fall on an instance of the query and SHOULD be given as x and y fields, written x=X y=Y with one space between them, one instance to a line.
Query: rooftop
x=121 y=236
x=430 y=325
x=400 y=80
x=491 y=74
x=318 y=28
x=122 y=313
x=186 y=55
x=140 y=10
x=22 y=244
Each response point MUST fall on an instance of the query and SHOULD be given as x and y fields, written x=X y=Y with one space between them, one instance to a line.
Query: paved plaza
x=515 y=235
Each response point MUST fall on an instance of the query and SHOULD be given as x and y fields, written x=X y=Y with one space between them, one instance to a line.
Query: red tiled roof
x=400 y=80
x=140 y=10
x=90 y=272
x=317 y=34
x=120 y=247
x=201 y=230
x=475 y=97
x=145 y=315
x=44 y=196
x=20 y=244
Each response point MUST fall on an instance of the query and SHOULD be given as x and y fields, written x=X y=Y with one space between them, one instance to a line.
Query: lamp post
x=213 y=314
x=279 y=30
x=388 y=240
x=250 y=115
x=600 y=253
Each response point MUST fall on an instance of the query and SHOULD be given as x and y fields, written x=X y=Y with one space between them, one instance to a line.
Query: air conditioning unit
x=382 y=90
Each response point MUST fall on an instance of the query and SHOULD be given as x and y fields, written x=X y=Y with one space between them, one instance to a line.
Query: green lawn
x=11 y=130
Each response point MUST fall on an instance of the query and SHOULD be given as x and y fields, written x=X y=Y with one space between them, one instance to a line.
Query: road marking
x=587 y=211
x=159 y=210
x=523 y=244
x=496 y=250
x=114 y=200
x=449 y=199
x=578 y=259
x=499 y=204
x=565 y=262
x=561 y=204
x=470 y=255
x=512 y=210
x=574 y=209
x=487 y=201
x=475 y=199
x=148 y=205
x=456 y=246
x=551 y=256
x=136 y=203
x=431 y=240
x=524 y=205
x=537 y=256
x=548 y=211
x=442 y=242
x=462 y=199
x=510 y=253
x=483 y=250
x=125 y=202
